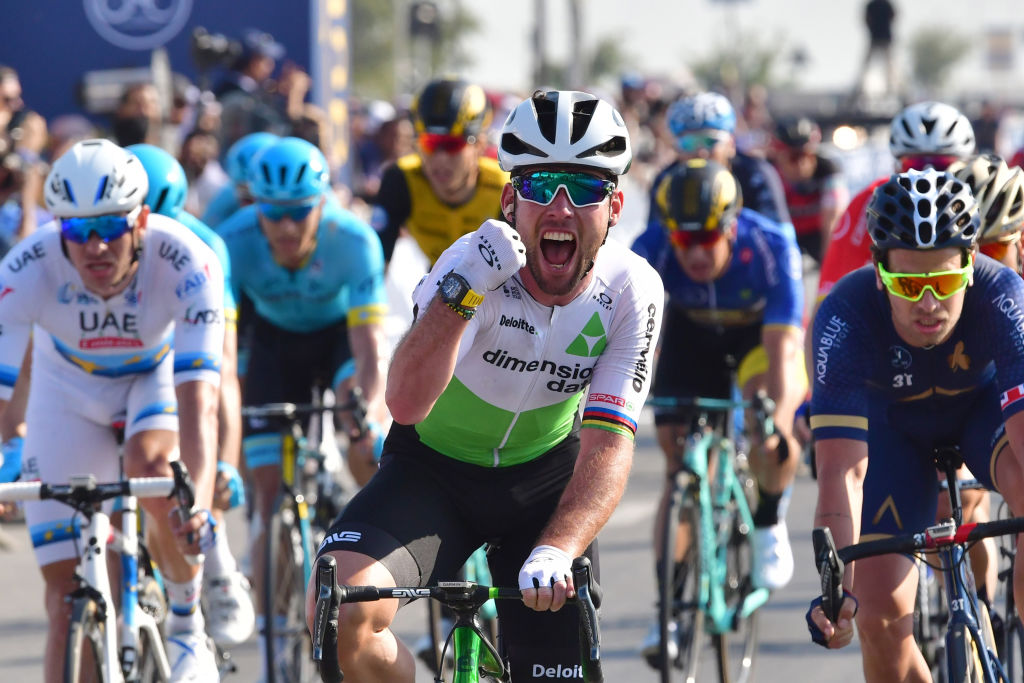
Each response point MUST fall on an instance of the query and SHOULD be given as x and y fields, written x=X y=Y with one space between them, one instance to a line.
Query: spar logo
x=137 y=24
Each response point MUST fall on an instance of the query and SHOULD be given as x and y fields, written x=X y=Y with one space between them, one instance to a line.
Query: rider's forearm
x=230 y=426
x=197 y=434
x=782 y=346
x=367 y=343
x=424 y=363
x=593 y=492
x=841 y=473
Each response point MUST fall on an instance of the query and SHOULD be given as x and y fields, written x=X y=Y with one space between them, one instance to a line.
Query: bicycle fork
x=963 y=609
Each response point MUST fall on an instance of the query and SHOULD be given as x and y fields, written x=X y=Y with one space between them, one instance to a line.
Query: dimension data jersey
x=174 y=302
x=523 y=368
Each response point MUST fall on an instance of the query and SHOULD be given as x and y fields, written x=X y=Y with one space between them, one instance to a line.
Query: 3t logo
x=902 y=380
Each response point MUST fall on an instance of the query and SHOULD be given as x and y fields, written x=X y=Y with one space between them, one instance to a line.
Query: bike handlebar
x=355 y=406
x=831 y=563
x=330 y=596
x=86 y=490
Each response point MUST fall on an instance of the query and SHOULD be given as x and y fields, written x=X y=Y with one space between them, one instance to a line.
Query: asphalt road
x=785 y=653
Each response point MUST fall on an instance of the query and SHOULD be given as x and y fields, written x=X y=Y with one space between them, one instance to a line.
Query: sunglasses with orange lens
x=998 y=250
x=912 y=286
x=705 y=239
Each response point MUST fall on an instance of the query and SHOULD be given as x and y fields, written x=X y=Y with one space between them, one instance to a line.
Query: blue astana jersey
x=859 y=360
x=343 y=279
x=761 y=286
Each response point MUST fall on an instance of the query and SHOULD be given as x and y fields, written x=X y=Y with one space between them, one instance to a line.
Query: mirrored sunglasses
x=919 y=162
x=296 y=212
x=450 y=144
x=583 y=189
x=912 y=286
x=705 y=239
x=108 y=228
x=696 y=142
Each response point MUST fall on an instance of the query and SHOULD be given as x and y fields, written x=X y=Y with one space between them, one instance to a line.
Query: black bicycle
x=476 y=658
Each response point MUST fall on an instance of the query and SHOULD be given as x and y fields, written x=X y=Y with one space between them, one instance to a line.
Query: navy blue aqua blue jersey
x=760 y=186
x=860 y=361
x=343 y=279
x=762 y=285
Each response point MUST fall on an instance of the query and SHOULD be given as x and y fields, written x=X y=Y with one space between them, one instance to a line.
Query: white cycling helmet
x=999 y=191
x=931 y=128
x=93 y=178
x=565 y=127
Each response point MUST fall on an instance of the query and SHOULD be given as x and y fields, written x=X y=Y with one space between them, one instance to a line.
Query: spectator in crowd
x=10 y=95
x=986 y=127
x=206 y=177
x=138 y=117
x=879 y=16
x=247 y=94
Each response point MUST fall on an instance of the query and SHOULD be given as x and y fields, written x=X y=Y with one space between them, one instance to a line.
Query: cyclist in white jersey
x=128 y=328
x=515 y=328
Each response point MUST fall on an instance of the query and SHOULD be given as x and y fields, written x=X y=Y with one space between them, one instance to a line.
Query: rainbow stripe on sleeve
x=609 y=419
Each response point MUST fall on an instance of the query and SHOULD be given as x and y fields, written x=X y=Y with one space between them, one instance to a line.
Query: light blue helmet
x=290 y=170
x=236 y=161
x=703 y=111
x=167 y=182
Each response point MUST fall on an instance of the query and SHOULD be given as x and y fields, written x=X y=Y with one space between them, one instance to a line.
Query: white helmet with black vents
x=93 y=178
x=565 y=127
x=931 y=128
x=926 y=209
x=999 y=191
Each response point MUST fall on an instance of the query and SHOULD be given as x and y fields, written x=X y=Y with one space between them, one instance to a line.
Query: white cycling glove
x=494 y=254
x=546 y=566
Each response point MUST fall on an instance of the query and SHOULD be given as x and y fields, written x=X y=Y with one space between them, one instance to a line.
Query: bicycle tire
x=736 y=651
x=961 y=657
x=86 y=636
x=1013 y=650
x=149 y=665
x=289 y=656
x=679 y=598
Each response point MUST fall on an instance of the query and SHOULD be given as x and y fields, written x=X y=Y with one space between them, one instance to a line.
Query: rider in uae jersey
x=174 y=302
x=523 y=368
x=864 y=372
x=762 y=284
x=849 y=247
x=342 y=279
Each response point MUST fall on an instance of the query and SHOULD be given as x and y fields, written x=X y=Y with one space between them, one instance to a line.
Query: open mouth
x=558 y=247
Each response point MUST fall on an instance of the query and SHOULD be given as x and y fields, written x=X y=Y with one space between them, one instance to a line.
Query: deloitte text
x=560 y=671
x=500 y=358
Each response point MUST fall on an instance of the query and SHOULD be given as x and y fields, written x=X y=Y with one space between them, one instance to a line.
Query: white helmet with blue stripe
x=94 y=178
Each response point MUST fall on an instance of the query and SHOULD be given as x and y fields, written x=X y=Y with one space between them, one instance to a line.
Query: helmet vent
x=925 y=230
x=515 y=146
x=582 y=114
x=547 y=114
x=904 y=182
x=302 y=172
x=923 y=186
x=610 y=147
x=924 y=208
x=282 y=173
x=160 y=200
x=929 y=125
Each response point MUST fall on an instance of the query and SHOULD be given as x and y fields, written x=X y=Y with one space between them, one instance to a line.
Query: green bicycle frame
x=715 y=529
x=475 y=657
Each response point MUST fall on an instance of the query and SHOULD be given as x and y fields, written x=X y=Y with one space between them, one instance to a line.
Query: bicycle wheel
x=736 y=651
x=929 y=619
x=1013 y=650
x=149 y=663
x=86 y=647
x=289 y=657
x=962 y=656
x=680 y=614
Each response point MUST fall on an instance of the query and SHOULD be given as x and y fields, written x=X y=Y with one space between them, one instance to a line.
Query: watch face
x=451 y=287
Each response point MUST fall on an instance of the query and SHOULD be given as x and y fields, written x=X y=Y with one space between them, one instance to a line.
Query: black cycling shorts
x=286 y=366
x=423 y=514
x=693 y=360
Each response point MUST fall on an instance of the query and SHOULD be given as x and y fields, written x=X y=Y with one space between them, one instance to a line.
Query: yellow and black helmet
x=451 y=106
x=698 y=195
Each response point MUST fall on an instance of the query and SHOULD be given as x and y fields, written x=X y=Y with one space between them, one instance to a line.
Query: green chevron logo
x=590 y=341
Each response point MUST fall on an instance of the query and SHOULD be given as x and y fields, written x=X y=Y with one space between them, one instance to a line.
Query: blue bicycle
x=970 y=650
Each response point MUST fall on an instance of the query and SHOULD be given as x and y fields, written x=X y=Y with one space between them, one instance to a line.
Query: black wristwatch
x=454 y=290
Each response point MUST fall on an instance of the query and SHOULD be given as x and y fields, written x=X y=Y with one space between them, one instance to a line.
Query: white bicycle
x=125 y=646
